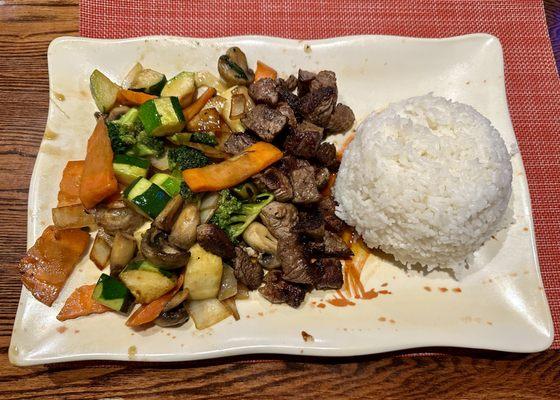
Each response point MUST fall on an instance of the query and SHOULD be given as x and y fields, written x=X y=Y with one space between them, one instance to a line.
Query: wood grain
x=26 y=28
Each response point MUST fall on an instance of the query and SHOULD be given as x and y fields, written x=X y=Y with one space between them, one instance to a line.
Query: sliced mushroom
x=233 y=67
x=118 y=218
x=122 y=252
x=117 y=112
x=260 y=239
x=174 y=317
x=156 y=248
x=165 y=218
x=183 y=233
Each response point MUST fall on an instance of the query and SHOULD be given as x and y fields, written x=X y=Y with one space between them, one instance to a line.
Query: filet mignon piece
x=215 y=240
x=264 y=121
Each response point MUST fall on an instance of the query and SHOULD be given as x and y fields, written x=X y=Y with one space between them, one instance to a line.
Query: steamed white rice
x=427 y=180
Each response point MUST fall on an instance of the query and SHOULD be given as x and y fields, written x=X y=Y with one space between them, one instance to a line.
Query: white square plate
x=501 y=307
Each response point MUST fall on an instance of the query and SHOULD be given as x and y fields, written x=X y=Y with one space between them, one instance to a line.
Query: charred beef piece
x=264 y=121
x=328 y=274
x=215 y=240
x=285 y=109
x=304 y=141
x=279 y=218
x=247 y=269
x=264 y=91
x=341 y=120
x=324 y=79
x=326 y=155
x=304 y=185
x=327 y=206
x=310 y=224
x=295 y=266
x=332 y=245
x=304 y=80
x=321 y=177
x=288 y=84
x=274 y=180
x=237 y=142
x=277 y=290
x=318 y=105
x=284 y=95
x=335 y=246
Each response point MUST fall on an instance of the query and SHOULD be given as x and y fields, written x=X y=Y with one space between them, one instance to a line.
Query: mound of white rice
x=426 y=180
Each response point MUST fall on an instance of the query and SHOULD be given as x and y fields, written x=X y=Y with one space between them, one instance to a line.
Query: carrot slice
x=234 y=170
x=80 y=303
x=98 y=179
x=131 y=98
x=148 y=312
x=264 y=71
x=199 y=104
x=69 y=192
x=50 y=261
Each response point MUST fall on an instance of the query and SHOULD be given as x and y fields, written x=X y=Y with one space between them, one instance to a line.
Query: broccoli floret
x=186 y=158
x=204 y=138
x=187 y=194
x=127 y=136
x=234 y=215
x=122 y=132
x=147 y=145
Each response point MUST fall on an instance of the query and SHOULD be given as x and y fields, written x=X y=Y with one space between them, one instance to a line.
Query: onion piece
x=209 y=151
x=208 y=205
x=161 y=163
x=216 y=102
x=131 y=76
x=230 y=303
x=237 y=109
x=206 y=313
x=207 y=120
x=100 y=251
x=228 y=286
x=74 y=216
x=242 y=292
x=122 y=252
x=177 y=299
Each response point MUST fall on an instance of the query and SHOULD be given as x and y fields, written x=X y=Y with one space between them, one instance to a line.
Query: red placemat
x=533 y=86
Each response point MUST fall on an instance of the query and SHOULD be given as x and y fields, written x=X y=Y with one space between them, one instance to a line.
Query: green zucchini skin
x=112 y=293
x=146 y=197
x=128 y=168
x=162 y=116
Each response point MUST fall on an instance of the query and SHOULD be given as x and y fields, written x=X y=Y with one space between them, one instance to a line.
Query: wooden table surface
x=26 y=28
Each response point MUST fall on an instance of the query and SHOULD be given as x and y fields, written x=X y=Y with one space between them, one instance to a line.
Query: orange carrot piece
x=98 y=179
x=148 y=312
x=69 y=192
x=234 y=170
x=80 y=303
x=131 y=98
x=199 y=104
x=50 y=261
x=264 y=71
x=345 y=144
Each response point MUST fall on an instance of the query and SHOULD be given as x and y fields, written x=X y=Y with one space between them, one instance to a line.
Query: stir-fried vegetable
x=73 y=216
x=48 y=264
x=264 y=71
x=199 y=104
x=234 y=215
x=204 y=138
x=133 y=98
x=203 y=274
x=69 y=192
x=234 y=170
x=184 y=158
x=98 y=179
x=81 y=303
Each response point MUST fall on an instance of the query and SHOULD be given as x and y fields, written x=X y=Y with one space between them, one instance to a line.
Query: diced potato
x=203 y=275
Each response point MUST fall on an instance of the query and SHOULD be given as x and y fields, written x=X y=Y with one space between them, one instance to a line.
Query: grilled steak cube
x=237 y=142
x=329 y=274
x=264 y=121
x=304 y=185
x=264 y=91
x=341 y=120
x=214 y=239
x=277 y=290
x=304 y=141
x=274 y=180
x=247 y=269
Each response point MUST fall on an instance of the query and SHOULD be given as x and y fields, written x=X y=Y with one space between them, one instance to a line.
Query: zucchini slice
x=162 y=117
x=112 y=293
x=146 y=281
x=169 y=183
x=203 y=275
x=146 y=197
x=128 y=168
x=148 y=81
x=181 y=86
x=103 y=91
